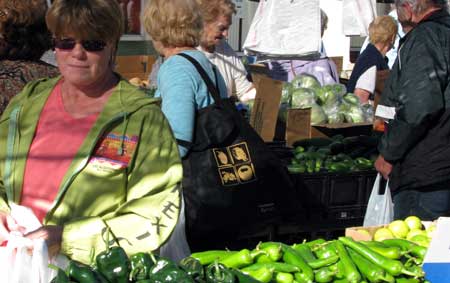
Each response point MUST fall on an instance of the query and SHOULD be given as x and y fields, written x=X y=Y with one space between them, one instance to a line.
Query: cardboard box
x=266 y=106
x=358 y=236
x=298 y=126
x=437 y=260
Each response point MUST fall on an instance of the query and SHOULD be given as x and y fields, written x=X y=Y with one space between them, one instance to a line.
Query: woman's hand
x=51 y=234
x=8 y=225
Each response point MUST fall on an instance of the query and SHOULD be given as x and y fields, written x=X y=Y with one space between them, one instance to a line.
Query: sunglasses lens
x=88 y=45
x=65 y=43
x=93 y=45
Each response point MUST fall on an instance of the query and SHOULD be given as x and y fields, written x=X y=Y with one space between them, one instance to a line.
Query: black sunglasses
x=88 y=45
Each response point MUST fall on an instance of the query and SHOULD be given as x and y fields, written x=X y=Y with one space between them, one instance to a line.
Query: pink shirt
x=57 y=139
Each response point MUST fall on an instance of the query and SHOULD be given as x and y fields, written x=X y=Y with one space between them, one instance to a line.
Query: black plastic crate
x=332 y=196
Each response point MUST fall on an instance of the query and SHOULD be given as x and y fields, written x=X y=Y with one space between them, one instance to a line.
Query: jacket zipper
x=10 y=158
x=82 y=165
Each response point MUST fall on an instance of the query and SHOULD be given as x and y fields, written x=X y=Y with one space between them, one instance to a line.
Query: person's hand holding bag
x=8 y=225
x=51 y=234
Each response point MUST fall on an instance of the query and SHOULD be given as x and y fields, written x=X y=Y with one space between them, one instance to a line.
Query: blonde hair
x=212 y=9
x=93 y=19
x=382 y=29
x=174 y=23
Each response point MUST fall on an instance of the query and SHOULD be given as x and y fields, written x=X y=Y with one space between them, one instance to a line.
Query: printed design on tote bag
x=234 y=164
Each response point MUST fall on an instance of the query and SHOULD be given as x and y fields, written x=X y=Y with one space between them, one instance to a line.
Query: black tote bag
x=231 y=178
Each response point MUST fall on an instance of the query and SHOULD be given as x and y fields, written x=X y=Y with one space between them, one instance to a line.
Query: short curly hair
x=23 y=32
x=174 y=23
x=212 y=9
x=382 y=29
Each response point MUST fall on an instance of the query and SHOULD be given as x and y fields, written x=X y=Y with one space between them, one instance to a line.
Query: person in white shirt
x=216 y=23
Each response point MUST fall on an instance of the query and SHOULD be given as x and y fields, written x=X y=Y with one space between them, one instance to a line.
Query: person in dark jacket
x=382 y=33
x=414 y=150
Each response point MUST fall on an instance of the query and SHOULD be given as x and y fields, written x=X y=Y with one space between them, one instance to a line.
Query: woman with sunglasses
x=88 y=152
x=24 y=38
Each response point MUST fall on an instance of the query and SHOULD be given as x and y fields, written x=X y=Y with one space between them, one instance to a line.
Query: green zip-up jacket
x=125 y=175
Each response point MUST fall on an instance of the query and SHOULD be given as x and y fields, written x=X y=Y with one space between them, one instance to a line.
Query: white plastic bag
x=285 y=28
x=24 y=260
x=380 y=209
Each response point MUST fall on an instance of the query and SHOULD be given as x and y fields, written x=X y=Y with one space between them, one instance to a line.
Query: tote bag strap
x=213 y=90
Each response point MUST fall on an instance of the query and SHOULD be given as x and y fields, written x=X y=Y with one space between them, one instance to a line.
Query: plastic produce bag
x=303 y=98
x=333 y=114
x=305 y=80
x=318 y=116
x=368 y=112
x=330 y=95
x=380 y=208
x=286 y=93
x=24 y=260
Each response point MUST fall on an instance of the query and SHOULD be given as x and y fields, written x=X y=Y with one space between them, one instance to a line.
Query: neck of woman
x=82 y=101
x=170 y=51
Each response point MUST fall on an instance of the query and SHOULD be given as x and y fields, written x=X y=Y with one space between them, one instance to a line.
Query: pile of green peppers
x=115 y=267
x=339 y=261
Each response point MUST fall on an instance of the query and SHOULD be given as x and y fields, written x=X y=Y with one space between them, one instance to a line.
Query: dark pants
x=427 y=203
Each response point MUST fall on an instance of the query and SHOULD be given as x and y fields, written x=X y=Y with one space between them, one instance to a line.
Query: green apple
x=365 y=233
x=414 y=232
x=413 y=222
x=383 y=234
x=398 y=228
x=421 y=240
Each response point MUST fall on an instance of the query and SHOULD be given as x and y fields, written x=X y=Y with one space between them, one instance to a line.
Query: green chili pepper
x=339 y=270
x=407 y=246
x=165 y=270
x=80 y=272
x=263 y=274
x=370 y=271
x=219 y=273
x=324 y=275
x=237 y=260
x=394 y=267
x=305 y=252
x=282 y=277
x=208 y=257
x=193 y=267
x=325 y=250
x=242 y=277
x=351 y=272
x=113 y=263
x=387 y=251
x=291 y=256
x=322 y=262
x=272 y=250
x=406 y=280
x=263 y=258
x=275 y=266
x=341 y=281
x=315 y=243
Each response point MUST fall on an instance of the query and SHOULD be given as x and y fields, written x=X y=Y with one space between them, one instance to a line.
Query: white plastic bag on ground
x=380 y=208
x=24 y=260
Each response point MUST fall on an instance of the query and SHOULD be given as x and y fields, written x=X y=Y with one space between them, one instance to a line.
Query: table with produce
x=392 y=253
